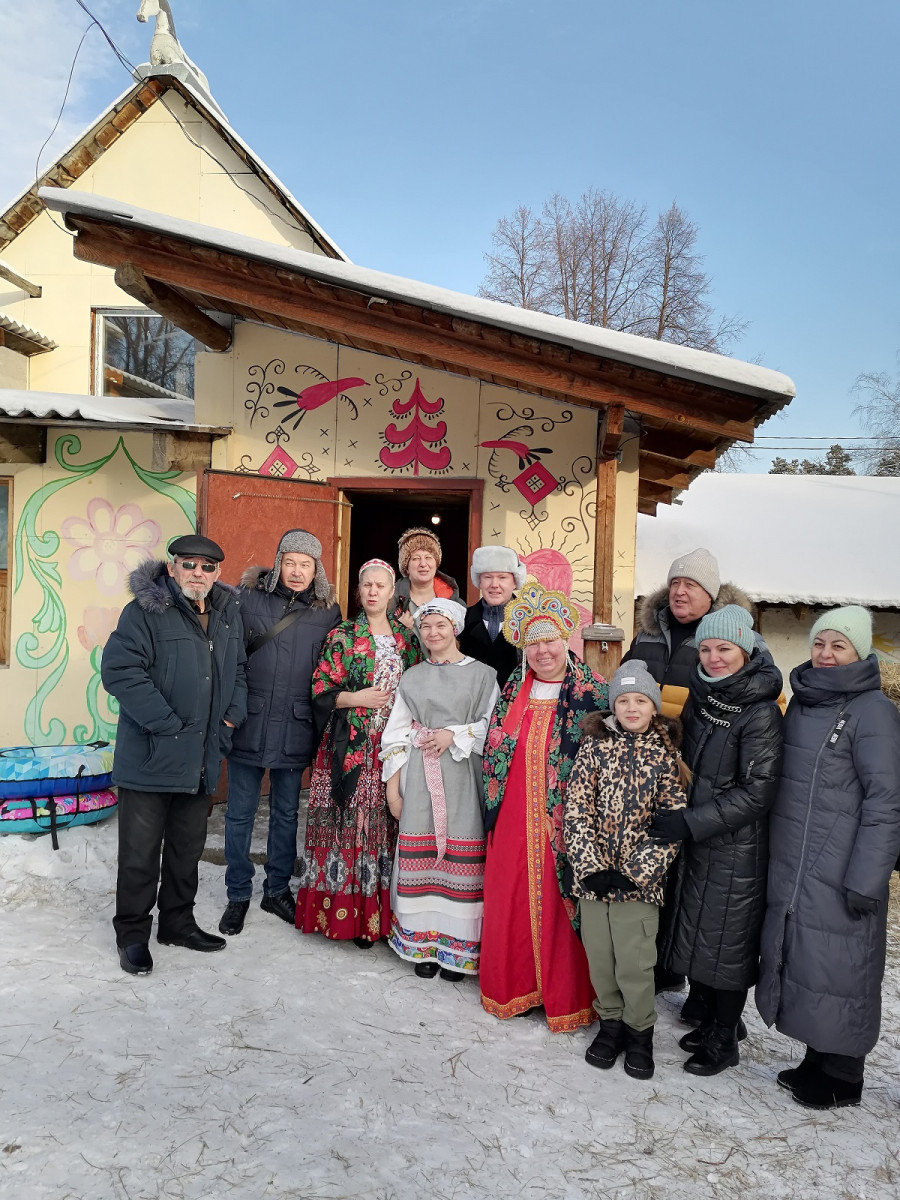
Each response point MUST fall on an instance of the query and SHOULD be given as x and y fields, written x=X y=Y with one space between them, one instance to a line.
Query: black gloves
x=670 y=826
x=861 y=905
x=601 y=882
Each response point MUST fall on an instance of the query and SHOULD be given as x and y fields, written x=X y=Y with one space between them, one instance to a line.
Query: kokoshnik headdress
x=538 y=615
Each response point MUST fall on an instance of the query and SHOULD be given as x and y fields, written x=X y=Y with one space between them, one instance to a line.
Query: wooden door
x=247 y=514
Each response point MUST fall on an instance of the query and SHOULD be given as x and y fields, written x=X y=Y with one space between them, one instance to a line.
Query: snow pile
x=290 y=1066
x=785 y=539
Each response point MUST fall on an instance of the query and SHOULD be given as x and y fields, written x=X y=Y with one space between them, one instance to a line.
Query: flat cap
x=193 y=543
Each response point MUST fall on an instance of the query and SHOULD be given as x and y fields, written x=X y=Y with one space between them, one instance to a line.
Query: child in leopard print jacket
x=627 y=769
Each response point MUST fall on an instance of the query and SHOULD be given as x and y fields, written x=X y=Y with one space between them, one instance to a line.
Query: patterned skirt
x=345 y=867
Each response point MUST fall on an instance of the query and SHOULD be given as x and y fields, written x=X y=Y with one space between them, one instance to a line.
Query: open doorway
x=382 y=511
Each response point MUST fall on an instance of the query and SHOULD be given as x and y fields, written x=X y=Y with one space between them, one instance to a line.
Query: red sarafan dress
x=531 y=954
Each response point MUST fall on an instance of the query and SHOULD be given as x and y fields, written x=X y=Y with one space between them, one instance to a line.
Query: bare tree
x=599 y=261
x=879 y=412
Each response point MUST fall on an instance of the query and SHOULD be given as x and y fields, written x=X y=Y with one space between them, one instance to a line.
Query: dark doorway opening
x=452 y=510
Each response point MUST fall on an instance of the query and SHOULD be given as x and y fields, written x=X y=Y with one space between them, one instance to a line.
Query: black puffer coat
x=835 y=826
x=733 y=745
x=176 y=684
x=279 y=731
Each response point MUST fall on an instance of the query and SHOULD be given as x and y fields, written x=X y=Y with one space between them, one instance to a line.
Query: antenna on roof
x=167 y=56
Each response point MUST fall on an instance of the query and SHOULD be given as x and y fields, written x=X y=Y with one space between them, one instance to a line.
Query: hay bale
x=890 y=680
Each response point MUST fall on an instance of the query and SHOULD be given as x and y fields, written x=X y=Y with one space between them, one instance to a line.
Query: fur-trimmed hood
x=148 y=584
x=651 y=606
x=255 y=578
x=604 y=725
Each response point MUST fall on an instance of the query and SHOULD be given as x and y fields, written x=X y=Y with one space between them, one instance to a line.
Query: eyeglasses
x=191 y=564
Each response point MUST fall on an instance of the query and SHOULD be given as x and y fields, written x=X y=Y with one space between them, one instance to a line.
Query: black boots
x=233 y=917
x=607 y=1045
x=283 y=905
x=818 y=1090
x=638 y=1052
x=717 y=1051
x=136 y=959
x=694 y=1040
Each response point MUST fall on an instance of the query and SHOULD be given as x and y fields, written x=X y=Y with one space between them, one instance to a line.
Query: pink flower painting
x=98 y=625
x=109 y=543
x=554 y=571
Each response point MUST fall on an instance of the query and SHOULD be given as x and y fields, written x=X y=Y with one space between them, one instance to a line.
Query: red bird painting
x=317 y=394
x=525 y=455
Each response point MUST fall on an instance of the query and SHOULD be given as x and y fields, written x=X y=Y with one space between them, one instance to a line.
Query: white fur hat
x=497 y=558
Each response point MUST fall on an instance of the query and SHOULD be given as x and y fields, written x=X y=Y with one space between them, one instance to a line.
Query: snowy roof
x=663 y=357
x=119 y=411
x=786 y=539
x=110 y=125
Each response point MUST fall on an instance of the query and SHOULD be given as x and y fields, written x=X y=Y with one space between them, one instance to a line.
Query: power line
x=833 y=438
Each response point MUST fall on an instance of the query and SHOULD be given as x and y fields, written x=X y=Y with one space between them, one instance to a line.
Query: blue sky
x=407 y=127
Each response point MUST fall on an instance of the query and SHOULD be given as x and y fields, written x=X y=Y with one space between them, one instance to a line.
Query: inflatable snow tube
x=27 y=772
x=49 y=814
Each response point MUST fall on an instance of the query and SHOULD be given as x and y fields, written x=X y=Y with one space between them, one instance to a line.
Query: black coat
x=733 y=746
x=279 y=731
x=176 y=684
x=835 y=826
x=499 y=654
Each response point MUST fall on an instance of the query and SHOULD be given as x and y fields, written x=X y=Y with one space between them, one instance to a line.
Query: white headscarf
x=455 y=613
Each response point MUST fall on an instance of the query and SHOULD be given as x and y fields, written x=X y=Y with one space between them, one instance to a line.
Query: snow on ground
x=288 y=1066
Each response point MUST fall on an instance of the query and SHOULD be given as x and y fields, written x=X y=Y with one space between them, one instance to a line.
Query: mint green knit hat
x=853 y=621
x=731 y=623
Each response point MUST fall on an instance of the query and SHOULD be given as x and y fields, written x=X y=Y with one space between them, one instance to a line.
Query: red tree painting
x=416 y=444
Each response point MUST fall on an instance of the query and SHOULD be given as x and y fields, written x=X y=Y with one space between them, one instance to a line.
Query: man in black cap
x=175 y=663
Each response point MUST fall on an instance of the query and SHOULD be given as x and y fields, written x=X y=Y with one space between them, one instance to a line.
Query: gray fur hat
x=497 y=558
x=633 y=676
x=299 y=541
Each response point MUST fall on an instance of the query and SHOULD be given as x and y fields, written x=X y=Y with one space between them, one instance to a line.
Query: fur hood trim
x=255 y=579
x=148 y=585
x=603 y=725
x=650 y=606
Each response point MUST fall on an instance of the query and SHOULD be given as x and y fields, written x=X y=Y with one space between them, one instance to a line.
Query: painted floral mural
x=109 y=543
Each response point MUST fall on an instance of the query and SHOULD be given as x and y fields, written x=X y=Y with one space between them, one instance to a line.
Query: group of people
x=488 y=805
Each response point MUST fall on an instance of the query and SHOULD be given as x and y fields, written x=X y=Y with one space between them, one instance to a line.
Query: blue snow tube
x=38 y=771
x=48 y=814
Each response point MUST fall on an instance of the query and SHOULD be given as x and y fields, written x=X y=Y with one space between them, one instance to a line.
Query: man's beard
x=196 y=591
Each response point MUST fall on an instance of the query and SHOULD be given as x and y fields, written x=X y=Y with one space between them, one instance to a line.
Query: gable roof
x=114 y=122
x=783 y=539
x=691 y=404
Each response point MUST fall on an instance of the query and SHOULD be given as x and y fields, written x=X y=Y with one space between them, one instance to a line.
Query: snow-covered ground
x=288 y=1066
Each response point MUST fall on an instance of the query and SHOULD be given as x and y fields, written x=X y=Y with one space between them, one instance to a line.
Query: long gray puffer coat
x=835 y=826
x=732 y=744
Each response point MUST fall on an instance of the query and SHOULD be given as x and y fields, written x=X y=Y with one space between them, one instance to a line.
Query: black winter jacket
x=499 y=654
x=733 y=746
x=835 y=826
x=278 y=731
x=175 y=683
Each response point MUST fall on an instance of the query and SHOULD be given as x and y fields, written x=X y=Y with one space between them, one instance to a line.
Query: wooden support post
x=169 y=304
x=603 y=648
x=604 y=536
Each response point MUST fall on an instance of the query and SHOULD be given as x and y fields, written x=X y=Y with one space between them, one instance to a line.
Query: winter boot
x=819 y=1090
x=694 y=1040
x=718 y=1051
x=233 y=917
x=607 y=1045
x=695 y=1010
x=638 y=1052
x=283 y=905
x=792 y=1076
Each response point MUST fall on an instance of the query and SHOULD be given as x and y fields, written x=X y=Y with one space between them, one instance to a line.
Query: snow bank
x=289 y=1066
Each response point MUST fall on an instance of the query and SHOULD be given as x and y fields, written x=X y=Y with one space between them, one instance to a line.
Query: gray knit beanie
x=700 y=566
x=853 y=621
x=298 y=541
x=633 y=676
x=730 y=623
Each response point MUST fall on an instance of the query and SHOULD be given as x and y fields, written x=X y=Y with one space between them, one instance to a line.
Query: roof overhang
x=21 y=339
x=91 y=412
x=691 y=405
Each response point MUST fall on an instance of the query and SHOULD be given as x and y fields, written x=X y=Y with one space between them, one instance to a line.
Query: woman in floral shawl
x=531 y=954
x=345 y=868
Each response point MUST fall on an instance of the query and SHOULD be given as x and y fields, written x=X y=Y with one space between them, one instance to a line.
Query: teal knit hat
x=728 y=624
x=853 y=621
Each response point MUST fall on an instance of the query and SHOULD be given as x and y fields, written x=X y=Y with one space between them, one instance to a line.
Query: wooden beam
x=611 y=429
x=604 y=539
x=218 y=280
x=677 y=446
x=163 y=300
x=657 y=492
x=11 y=276
x=664 y=470
x=22 y=442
